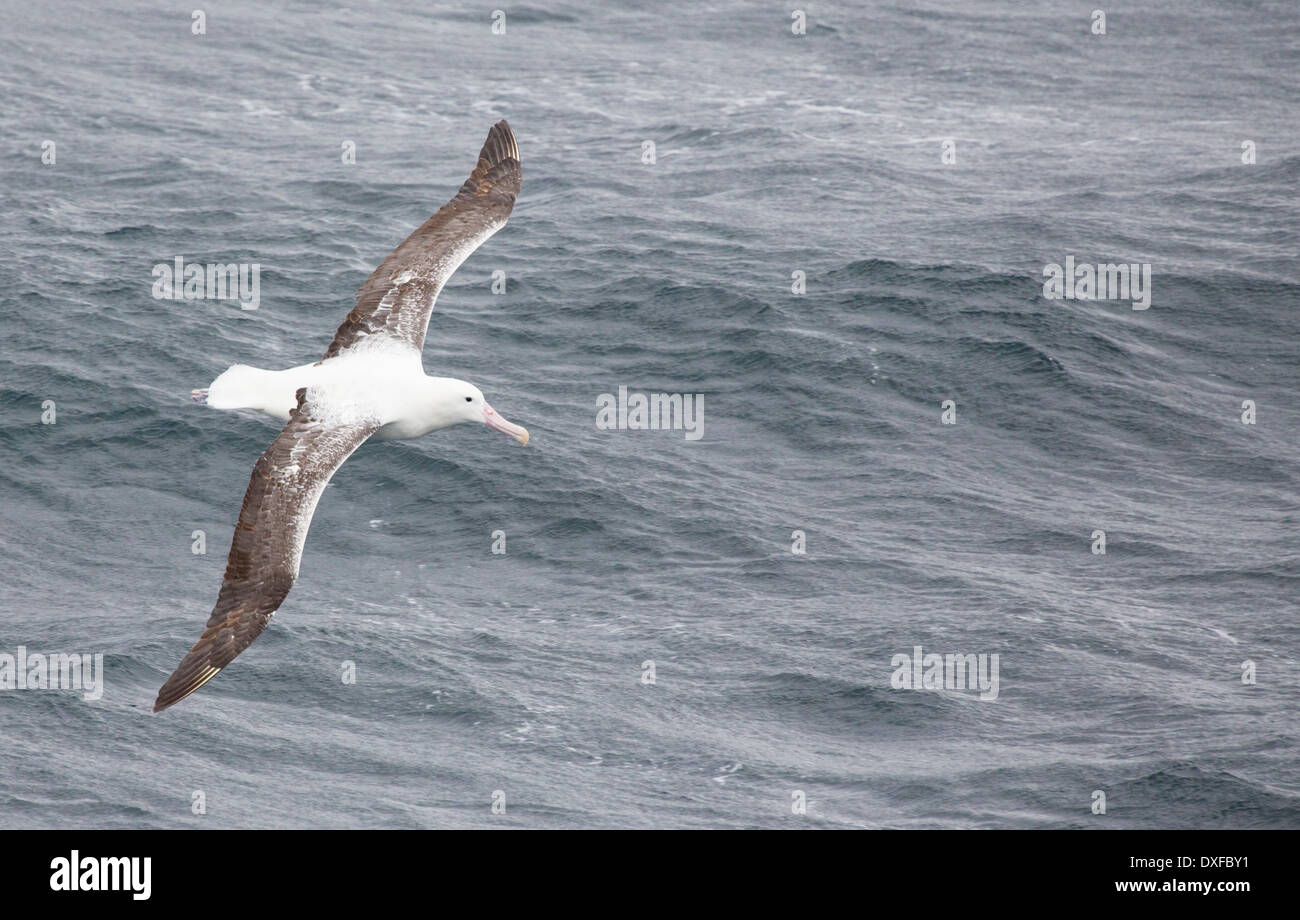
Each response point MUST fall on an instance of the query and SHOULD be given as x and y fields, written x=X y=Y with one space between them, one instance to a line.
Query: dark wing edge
x=397 y=299
x=285 y=486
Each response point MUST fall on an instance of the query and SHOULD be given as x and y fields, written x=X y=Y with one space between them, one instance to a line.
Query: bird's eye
x=469 y=399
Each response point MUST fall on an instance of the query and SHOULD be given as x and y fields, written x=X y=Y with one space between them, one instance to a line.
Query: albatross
x=370 y=383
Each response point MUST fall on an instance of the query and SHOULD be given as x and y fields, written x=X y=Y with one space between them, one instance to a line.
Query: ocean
x=835 y=234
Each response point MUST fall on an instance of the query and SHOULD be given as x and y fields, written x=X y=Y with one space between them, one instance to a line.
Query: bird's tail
x=245 y=387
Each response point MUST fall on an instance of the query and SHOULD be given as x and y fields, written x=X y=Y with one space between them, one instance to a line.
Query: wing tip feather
x=170 y=695
x=501 y=144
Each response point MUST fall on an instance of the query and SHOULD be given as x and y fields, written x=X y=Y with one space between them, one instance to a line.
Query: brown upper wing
x=282 y=494
x=398 y=297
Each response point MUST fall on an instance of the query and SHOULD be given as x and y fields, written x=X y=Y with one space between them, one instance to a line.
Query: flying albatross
x=369 y=383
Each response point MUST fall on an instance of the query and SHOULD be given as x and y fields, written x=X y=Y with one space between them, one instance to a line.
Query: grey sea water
x=774 y=153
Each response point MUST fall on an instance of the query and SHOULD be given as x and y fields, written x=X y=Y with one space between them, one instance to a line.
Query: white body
x=390 y=381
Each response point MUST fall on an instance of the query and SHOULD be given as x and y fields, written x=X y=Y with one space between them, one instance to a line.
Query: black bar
x=332 y=869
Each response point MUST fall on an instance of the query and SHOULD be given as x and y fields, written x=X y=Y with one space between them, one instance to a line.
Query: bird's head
x=460 y=402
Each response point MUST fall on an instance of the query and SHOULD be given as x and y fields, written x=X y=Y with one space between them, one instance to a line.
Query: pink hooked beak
x=493 y=420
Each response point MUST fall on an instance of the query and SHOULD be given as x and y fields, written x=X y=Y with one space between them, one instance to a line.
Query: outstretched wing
x=398 y=297
x=282 y=494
